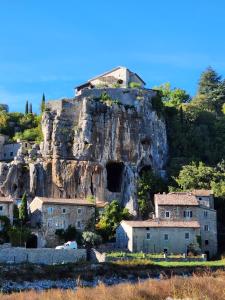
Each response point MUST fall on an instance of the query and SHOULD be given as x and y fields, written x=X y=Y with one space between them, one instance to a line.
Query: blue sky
x=51 y=46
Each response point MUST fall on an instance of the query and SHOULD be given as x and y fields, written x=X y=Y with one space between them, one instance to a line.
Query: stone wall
x=46 y=256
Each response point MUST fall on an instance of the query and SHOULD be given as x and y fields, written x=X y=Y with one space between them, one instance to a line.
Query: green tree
x=209 y=81
x=18 y=236
x=23 y=212
x=91 y=239
x=26 y=108
x=112 y=215
x=43 y=103
x=15 y=214
x=148 y=185
x=30 y=109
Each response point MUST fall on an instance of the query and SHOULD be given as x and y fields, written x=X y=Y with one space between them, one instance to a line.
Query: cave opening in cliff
x=114 y=176
x=145 y=169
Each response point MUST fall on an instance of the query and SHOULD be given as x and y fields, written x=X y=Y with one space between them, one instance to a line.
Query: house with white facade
x=180 y=219
x=120 y=77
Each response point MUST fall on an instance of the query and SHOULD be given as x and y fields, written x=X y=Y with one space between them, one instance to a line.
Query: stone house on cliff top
x=180 y=219
x=117 y=77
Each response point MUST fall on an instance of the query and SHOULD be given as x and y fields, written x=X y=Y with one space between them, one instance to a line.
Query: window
x=167 y=214
x=200 y=198
x=206 y=227
x=79 y=211
x=206 y=242
x=166 y=237
x=63 y=210
x=1 y=208
x=205 y=213
x=60 y=224
x=49 y=223
x=78 y=225
x=148 y=236
x=50 y=210
x=11 y=153
x=147 y=228
x=188 y=214
x=186 y=235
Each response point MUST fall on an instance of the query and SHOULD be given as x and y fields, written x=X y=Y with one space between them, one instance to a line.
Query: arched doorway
x=32 y=241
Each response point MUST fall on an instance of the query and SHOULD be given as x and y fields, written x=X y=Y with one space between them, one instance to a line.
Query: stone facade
x=6 y=209
x=180 y=219
x=168 y=208
x=157 y=237
x=45 y=256
x=52 y=214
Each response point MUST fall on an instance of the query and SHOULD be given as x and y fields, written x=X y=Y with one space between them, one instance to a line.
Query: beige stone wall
x=176 y=243
x=61 y=216
x=176 y=212
x=7 y=210
x=208 y=217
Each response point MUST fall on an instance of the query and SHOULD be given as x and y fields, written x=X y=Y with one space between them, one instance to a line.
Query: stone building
x=50 y=214
x=184 y=217
x=157 y=236
x=6 y=209
x=118 y=77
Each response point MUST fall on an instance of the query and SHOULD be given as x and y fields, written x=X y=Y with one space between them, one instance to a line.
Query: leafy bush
x=18 y=235
x=91 y=239
x=69 y=234
x=134 y=85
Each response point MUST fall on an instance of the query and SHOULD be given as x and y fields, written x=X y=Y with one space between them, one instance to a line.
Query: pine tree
x=43 y=103
x=30 y=109
x=23 y=213
x=26 y=108
x=209 y=81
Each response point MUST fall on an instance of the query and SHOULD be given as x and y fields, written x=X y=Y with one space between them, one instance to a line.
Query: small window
x=147 y=228
x=206 y=242
x=205 y=213
x=79 y=211
x=186 y=235
x=165 y=250
x=50 y=210
x=4 y=154
x=166 y=237
x=200 y=198
x=167 y=214
x=206 y=227
x=78 y=224
x=11 y=153
x=188 y=214
x=148 y=236
x=49 y=223
x=1 y=208
x=63 y=210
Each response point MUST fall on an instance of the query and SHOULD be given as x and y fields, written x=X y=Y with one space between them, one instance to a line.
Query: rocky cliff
x=96 y=144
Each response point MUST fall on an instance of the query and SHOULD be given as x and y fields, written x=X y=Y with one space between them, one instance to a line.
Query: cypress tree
x=30 y=109
x=43 y=103
x=26 y=108
x=23 y=213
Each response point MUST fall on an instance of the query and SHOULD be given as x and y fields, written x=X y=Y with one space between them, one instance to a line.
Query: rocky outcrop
x=95 y=144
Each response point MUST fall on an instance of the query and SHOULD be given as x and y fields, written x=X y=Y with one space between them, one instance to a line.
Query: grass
x=207 y=287
x=171 y=264
x=140 y=255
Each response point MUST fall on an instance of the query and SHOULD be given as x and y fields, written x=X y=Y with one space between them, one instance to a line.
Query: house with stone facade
x=50 y=214
x=180 y=219
x=120 y=77
x=6 y=209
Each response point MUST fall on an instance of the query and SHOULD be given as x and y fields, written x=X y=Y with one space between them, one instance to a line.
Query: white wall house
x=120 y=77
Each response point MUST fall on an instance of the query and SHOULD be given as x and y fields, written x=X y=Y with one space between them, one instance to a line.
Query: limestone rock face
x=95 y=144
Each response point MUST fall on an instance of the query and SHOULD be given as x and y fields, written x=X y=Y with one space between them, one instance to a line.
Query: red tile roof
x=176 y=199
x=162 y=223
x=202 y=192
